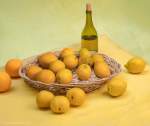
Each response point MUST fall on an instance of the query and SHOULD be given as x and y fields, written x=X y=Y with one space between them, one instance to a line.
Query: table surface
x=18 y=106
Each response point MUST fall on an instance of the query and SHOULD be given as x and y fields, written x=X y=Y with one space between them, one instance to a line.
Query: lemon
x=86 y=60
x=12 y=67
x=32 y=71
x=135 y=65
x=5 y=81
x=70 y=61
x=64 y=76
x=97 y=58
x=101 y=69
x=66 y=52
x=84 y=72
x=84 y=52
x=56 y=66
x=76 y=96
x=44 y=98
x=46 y=76
x=60 y=104
x=45 y=59
x=116 y=86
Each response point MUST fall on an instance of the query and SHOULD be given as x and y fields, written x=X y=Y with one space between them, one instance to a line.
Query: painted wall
x=28 y=27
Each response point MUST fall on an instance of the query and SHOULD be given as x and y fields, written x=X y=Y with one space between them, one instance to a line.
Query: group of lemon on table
x=52 y=69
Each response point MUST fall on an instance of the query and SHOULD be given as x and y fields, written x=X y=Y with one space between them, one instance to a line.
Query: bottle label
x=91 y=45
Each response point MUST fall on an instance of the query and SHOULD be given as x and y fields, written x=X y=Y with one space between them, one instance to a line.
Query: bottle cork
x=88 y=7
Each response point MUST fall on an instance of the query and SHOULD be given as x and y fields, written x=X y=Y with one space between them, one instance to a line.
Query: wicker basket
x=92 y=84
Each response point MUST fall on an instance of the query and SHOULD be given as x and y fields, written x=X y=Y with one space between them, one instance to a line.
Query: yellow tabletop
x=18 y=106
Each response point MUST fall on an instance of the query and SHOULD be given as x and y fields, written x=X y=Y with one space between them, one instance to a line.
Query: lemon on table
x=12 y=67
x=60 y=104
x=44 y=98
x=76 y=96
x=5 y=82
x=135 y=65
x=116 y=86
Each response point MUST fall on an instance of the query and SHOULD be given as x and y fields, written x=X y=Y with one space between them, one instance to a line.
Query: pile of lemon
x=11 y=71
x=59 y=69
x=52 y=69
x=118 y=84
x=60 y=104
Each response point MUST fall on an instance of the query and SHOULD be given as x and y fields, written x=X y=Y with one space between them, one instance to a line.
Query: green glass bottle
x=89 y=38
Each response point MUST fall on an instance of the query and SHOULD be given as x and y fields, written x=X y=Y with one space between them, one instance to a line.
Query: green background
x=29 y=27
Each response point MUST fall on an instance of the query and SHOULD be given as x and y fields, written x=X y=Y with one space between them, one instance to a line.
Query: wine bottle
x=89 y=38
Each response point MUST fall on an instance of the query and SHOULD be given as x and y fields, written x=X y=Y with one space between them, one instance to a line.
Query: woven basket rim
x=30 y=60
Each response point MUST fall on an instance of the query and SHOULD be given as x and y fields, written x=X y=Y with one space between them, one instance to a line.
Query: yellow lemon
x=70 y=61
x=46 y=58
x=46 y=76
x=135 y=65
x=84 y=72
x=116 y=86
x=64 y=76
x=101 y=69
x=84 y=52
x=5 y=82
x=57 y=66
x=12 y=67
x=76 y=96
x=32 y=71
x=97 y=58
x=66 y=52
x=60 y=104
x=43 y=99
x=85 y=60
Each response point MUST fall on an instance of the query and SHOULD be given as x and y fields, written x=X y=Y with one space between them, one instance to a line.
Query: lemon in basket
x=76 y=96
x=70 y=61
x=101 y=69
x=135 y=65
x=56 y=66
x=46 y=58
x=64 y=76
x=84 y=52
x=60 y=104
x=84 y=72
x=85 y=57
x=86 y=60
x=32 y=71
x=97 y=58
x=46 y=76
x=66 y=52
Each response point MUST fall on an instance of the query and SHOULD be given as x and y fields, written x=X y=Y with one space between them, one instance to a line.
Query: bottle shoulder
x=89 y=31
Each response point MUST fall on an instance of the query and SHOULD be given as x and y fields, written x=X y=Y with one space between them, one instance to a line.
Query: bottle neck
x=89 y=21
